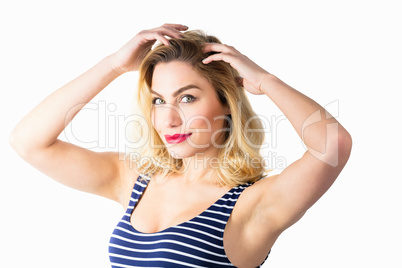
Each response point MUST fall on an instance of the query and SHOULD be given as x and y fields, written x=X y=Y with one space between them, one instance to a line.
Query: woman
x=202 y=197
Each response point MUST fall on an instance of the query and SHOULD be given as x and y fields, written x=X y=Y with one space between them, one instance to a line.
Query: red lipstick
x=177 y=138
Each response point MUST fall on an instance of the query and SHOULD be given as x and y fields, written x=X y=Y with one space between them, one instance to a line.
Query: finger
x=172 y=32
x=220 y=57
x=160 y=35
x=161 y=38
x=179 y=27
x=152 y=36
x=216 y=47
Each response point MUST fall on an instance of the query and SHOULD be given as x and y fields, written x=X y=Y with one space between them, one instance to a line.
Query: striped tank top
x=195 y=243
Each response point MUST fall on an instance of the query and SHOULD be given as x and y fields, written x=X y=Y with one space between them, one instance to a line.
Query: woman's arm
x=302 y=183
x=35 y=137
x=319 y=130
x=281 y=200
x=40 y=128
x=300 y=110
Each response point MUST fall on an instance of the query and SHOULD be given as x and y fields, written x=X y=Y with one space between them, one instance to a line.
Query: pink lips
x=177 y=138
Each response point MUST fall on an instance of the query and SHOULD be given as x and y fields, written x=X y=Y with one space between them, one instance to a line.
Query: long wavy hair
x=239 y=156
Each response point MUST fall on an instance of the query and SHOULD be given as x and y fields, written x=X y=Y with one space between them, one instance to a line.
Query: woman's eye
x=189 y=97
x=154 y=101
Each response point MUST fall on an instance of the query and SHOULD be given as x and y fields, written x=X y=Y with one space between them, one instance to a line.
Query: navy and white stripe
x=194 y=243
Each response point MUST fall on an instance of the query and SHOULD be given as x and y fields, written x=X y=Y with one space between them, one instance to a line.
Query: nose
x=171 y=116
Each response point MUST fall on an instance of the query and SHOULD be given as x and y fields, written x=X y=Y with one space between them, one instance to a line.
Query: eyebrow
x=180 y=90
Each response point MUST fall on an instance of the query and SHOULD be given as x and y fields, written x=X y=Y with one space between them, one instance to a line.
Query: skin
x=188 y=114
x=262 y=212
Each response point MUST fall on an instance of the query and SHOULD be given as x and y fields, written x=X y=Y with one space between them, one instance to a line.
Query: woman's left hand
x=252 y=74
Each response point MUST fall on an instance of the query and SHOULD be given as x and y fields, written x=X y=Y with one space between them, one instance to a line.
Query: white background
x=344 y=54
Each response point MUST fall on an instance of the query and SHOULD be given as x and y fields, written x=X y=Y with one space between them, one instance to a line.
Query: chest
x=159 y=208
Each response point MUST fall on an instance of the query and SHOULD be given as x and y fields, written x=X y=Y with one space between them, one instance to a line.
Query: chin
x=180 y=154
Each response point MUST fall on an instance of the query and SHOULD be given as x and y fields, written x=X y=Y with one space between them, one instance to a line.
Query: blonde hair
x=239 y=158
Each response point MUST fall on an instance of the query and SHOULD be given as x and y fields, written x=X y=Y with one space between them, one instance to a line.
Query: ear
x=227 y=112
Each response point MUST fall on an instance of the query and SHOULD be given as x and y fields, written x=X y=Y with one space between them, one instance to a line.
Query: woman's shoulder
x=259 y=182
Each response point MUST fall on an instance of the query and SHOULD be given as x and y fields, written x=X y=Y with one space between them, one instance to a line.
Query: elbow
x=18 y=146
x=24 y=145
x=15 y=145
x=344 y=144
x=338 y=151
x=12 y=141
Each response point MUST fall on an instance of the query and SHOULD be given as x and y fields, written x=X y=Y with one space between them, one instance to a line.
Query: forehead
x=169 y=77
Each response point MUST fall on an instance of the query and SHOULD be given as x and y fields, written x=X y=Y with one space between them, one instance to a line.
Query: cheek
x=198 y=122
x=154 y=121
x=207 y=120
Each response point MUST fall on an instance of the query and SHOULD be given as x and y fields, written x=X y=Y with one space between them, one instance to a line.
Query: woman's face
x=184 y=102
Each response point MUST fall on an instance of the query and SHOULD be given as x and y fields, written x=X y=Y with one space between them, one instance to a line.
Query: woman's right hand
x=129 y=57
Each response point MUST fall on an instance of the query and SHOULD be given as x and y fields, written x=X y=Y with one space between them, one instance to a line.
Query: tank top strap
x=224 y=206
x=139 y=187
